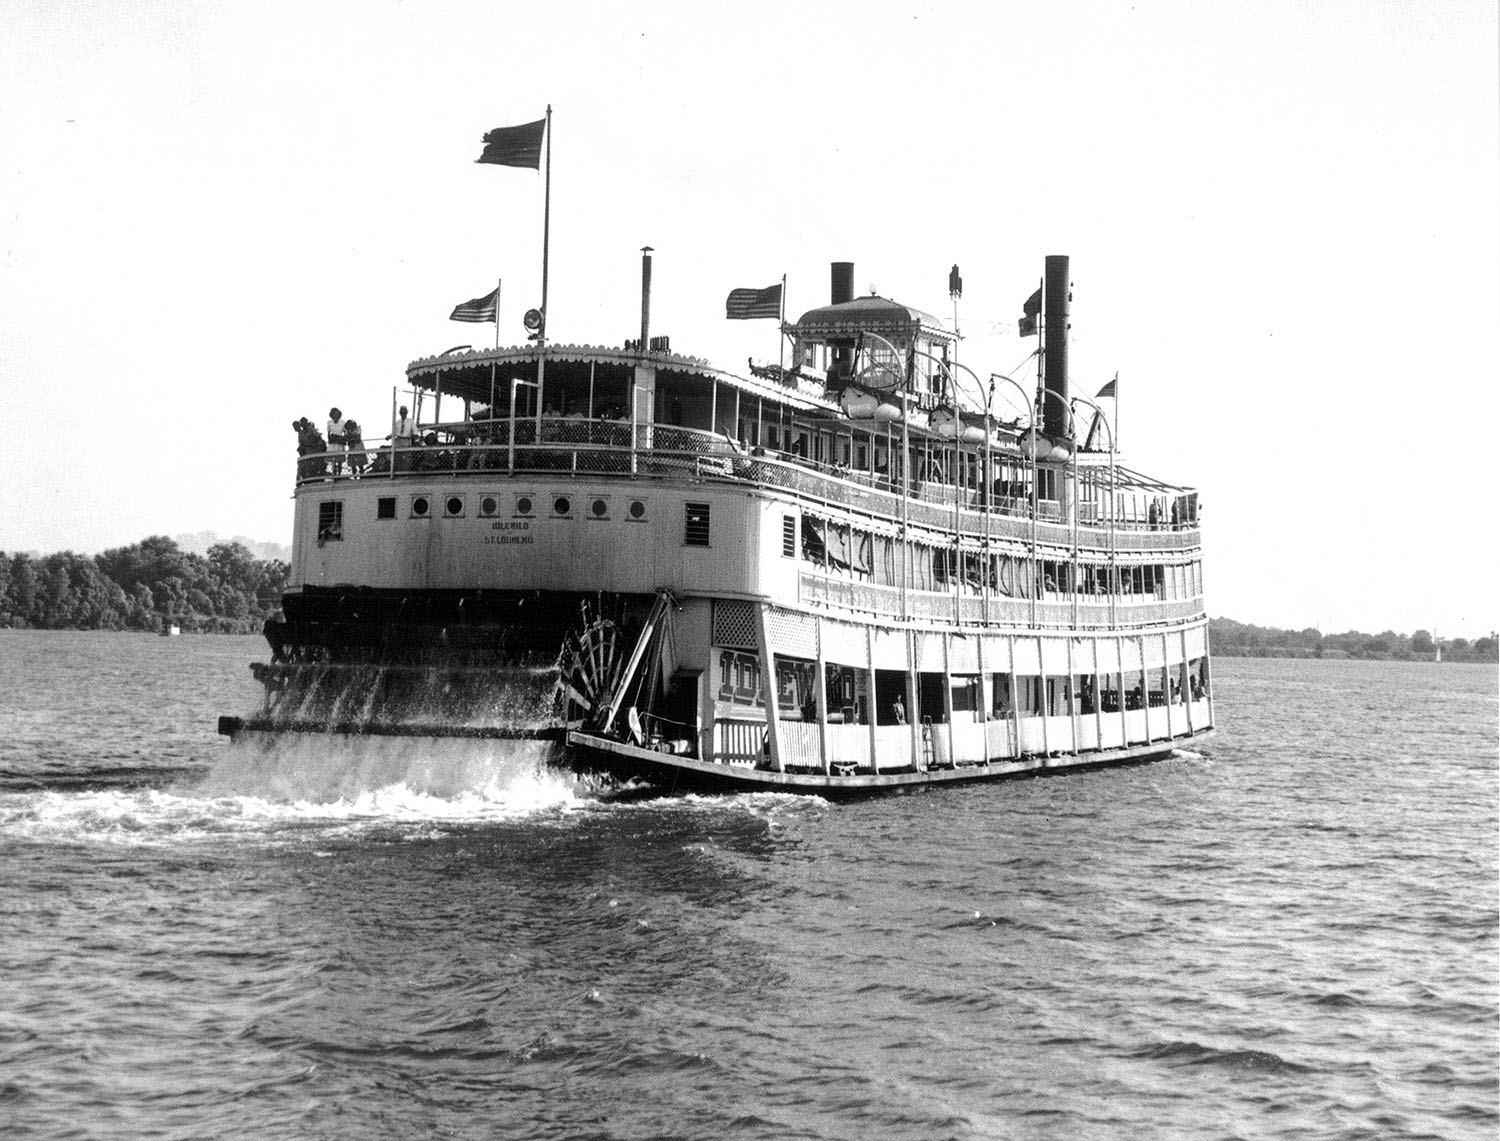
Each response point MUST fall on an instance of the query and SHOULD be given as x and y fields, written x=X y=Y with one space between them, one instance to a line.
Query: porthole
x=561 y=505
x=637 y=509
x=524 y=506
x=420 y=506
x=454 y=505
x=599 y=508
x=489 y=505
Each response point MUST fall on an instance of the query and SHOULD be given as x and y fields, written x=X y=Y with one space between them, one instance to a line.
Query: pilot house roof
x=845 y=320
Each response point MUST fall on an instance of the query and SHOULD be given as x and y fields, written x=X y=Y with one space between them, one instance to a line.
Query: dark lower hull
x=672 y=773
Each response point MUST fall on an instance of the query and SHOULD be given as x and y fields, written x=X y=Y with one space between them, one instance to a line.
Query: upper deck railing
x=575 y=446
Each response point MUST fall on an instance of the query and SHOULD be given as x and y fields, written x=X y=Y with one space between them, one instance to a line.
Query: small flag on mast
x=745 y=304
x=1027 y=325
x=1107 y=390
x=515 y=146
x=479 y=309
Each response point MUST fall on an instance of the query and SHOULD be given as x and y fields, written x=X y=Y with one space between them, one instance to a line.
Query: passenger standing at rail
x=401 y=437
x=309 y=445
x=336 y=439
x=355 y=445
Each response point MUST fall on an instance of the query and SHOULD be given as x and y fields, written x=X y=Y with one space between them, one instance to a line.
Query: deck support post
x=1185 y=679
x=871 y=708
x=768 y=672
x=913 y=711
x=820 y=703
x=1098 y=697
x=1043 y=696
x=1015 y=704
x=948 y=695
x=1166 y=679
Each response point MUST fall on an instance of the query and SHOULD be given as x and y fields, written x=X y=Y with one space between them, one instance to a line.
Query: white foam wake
x=321 y=782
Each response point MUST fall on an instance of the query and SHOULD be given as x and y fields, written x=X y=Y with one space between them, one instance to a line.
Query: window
x=330 y=520
x=453 y=506
x=967 y=698
x=1000 y=697
x=385 y=507
x=789 y=536
x=420 y=506
x=695 y=524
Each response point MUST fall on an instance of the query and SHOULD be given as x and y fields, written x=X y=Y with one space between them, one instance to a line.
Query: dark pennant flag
x=1027 y=325
x=1108 y=389
x=515 y=146
x=480 y=309
x=744 y=304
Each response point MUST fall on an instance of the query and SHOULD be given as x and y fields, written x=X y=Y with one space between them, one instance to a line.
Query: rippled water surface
x=1292 y=934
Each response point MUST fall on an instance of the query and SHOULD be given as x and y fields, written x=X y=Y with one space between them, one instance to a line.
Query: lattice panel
x=734 y=625
x=795 y=634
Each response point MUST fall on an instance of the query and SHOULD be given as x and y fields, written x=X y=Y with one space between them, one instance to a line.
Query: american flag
x=480 y=309
x=744 y=304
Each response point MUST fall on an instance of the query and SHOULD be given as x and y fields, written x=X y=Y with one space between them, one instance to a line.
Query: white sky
x=1284 y=220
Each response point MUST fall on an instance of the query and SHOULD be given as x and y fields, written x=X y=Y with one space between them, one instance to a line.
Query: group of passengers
x=344 y=445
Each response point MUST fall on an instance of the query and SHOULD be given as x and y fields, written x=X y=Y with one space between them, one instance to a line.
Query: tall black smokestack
x=843 y=281
x=1056 y=294
x=841 y=368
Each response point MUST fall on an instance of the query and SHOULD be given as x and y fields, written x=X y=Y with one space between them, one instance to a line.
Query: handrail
x=603 y=447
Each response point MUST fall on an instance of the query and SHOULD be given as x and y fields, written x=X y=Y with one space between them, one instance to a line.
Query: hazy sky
x=1284 y=220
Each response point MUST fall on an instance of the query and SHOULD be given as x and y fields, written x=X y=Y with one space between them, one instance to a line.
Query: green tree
x=22 y=589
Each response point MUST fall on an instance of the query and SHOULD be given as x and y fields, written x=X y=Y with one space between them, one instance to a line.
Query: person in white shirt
x=401 y=437
x=336 y=439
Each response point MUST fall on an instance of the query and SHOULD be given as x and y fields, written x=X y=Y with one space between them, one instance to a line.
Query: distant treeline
x=155 y=583
x=1228 y=638
x=146 y=586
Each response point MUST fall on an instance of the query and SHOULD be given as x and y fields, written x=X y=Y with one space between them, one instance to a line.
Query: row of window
x=331 y=512
x=849 y=700
x=852 y=552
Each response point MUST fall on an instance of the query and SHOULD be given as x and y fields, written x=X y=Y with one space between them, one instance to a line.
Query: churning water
x=1291 y=934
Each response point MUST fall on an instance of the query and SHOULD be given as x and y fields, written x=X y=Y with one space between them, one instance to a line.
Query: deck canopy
x=596 y=382
x=844 y=321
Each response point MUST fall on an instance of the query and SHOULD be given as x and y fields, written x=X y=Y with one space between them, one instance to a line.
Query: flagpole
x=781 y=340
x=546 y=224
x=499 y=281
x=1114 y=436
x=541 y=343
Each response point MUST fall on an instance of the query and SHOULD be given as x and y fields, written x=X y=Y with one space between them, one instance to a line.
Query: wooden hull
x=673 y=773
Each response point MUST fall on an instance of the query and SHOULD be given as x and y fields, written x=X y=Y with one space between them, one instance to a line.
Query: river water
x=1291 y=933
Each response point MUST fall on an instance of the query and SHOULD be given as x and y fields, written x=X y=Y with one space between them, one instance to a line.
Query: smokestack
x=645 y=297
x=843 y=281
x=1057 y=292
x=841 y=368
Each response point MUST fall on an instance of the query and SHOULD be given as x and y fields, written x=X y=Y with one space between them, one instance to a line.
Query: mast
x=541 y=340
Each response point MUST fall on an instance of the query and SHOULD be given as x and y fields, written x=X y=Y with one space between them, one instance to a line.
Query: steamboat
x=844 y=574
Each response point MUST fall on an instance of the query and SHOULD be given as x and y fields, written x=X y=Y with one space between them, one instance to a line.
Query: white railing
x=577 y=446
